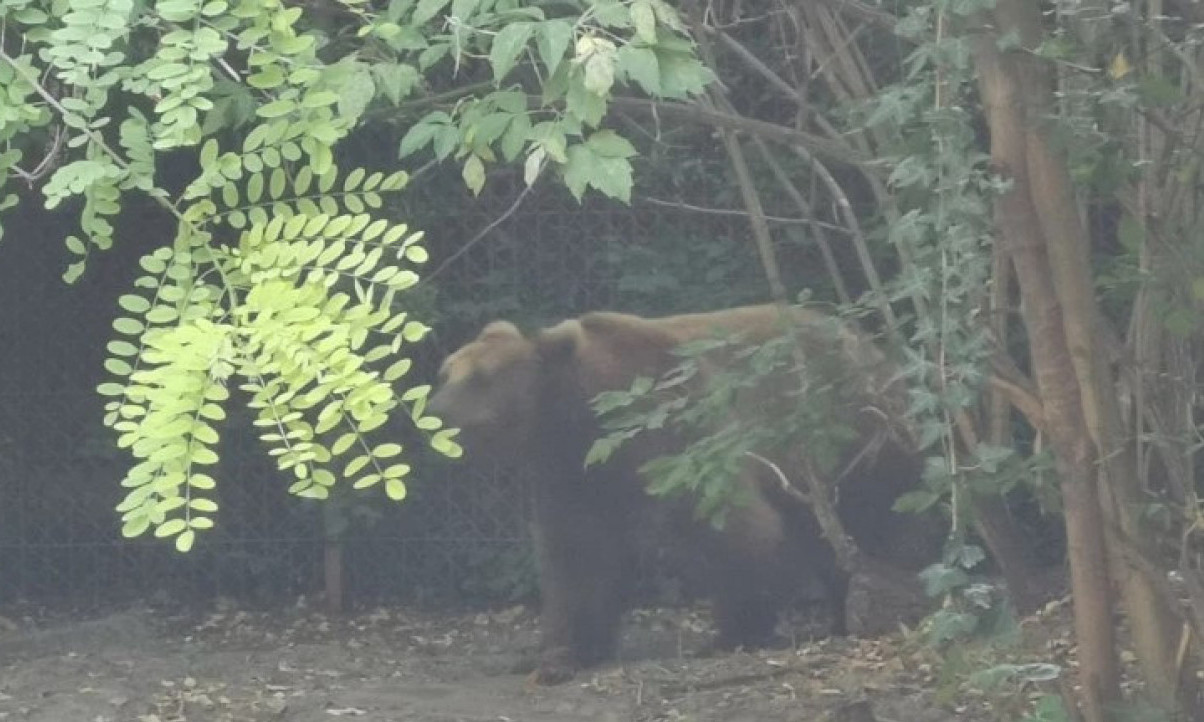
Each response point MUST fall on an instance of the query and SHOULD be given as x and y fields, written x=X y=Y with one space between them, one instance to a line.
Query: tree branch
x=818 y=145
x=1018 y=390
x=679 y=205
x=863 y=11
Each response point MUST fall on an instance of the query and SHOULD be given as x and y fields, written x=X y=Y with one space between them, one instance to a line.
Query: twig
x=789 y=488
x=860 y=246
x=760 y=67
x=825 y=513
x=96 y=137
x=737 y=212
x=481 y=234
x=756 y=216
x=1018 y=389
x=825 y=147
x=399 y=112
x=47 y=162
x=864 y=11
x=796 y=195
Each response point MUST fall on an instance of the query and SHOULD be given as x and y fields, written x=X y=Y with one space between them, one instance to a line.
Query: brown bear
x=522 y=399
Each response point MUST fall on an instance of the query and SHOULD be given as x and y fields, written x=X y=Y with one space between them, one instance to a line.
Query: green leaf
x=552 y=40
x=128 y=326
x=354 y=466
x=413 y=332
x=201 y=481
x=255 y=188
x=230 y=195
x=640 y=65
x=515 y=137
x=395 y=80
x=343 y=443
x=611 y=13
x=668 y=16
x=463 y=9
x=208 y=155
x=443 y=443
x=508 y=44
x=386 y=451
x=584 y=106
x=270 y=76
x=533 y=165
x=162 y=315
x=397 y=370
x=110 y=389
x=644 y=19
x=277 y=182
x=598 y=57
x=426 y=10
x=356 y=92
x=611 y=176
x=446 y=141
x=366 y=481
x=117 y=367
x=474 y=174
x=395 y=489
x=432 y=55
x=185 y=541
x=134 y=304
x=609 y=144
x=203 y=505
x=135 y=527
x=682 y=75
x=170 y=527
x=276 y=108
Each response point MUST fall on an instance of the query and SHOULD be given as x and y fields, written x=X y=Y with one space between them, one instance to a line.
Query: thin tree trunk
x=1023 y=238
x=1153 y=625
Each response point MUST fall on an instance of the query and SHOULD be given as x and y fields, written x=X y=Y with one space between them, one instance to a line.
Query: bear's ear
x=501 y=329
x=559 y=342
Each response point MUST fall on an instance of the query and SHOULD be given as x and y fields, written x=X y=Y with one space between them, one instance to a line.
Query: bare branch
x=818 y=145
x=864 y=11
x=480 y=234
x=737 y=212
x=756 y=64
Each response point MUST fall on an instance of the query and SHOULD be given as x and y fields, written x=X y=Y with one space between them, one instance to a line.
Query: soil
x=296 y=664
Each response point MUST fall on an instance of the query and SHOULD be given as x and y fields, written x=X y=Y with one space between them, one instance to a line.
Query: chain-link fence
x=460 y=535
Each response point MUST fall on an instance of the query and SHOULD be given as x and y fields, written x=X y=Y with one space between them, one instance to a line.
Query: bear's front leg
x=582 y=552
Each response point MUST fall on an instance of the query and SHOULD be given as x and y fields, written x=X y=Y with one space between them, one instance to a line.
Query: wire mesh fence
x=462 y=533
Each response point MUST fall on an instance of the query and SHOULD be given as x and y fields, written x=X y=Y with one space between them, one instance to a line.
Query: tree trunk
x=1023 y=238
x=1086 y=429
x=1153 y=624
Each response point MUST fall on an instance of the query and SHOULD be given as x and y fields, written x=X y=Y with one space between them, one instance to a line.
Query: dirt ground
x=390 y=664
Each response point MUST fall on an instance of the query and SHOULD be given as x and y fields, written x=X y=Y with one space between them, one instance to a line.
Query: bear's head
x=492 y=387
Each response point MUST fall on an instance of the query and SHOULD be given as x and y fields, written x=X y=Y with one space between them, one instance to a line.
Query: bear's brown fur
x=526 y=400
